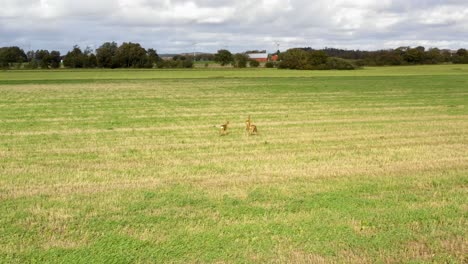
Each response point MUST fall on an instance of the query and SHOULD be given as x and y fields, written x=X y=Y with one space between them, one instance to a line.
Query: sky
x=175 y=26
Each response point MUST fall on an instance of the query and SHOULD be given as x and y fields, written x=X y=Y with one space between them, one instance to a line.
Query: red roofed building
x=260 y=57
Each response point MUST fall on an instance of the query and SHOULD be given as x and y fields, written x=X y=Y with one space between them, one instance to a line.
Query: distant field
x=126 y=166
x=41 y=76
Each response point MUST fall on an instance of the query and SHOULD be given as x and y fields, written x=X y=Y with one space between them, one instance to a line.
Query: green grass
x=125 y=166
x=92 y=75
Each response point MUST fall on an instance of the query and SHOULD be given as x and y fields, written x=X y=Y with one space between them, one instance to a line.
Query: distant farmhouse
x=262 y=57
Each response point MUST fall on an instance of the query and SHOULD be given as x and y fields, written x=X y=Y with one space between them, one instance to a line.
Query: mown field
x=123 y=166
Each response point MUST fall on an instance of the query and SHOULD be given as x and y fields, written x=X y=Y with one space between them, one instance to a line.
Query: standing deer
x=223 y=129
x=250 y=128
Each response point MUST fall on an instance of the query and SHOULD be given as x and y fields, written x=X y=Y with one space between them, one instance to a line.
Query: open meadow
x=127 y=166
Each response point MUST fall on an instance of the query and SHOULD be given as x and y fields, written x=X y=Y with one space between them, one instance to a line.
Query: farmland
x=127 y=165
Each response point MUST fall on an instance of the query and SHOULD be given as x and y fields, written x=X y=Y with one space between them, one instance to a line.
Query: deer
x=250 y=128
x=223 y=129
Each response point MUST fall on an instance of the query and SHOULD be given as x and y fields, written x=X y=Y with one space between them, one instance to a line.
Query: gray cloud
x=207 y=25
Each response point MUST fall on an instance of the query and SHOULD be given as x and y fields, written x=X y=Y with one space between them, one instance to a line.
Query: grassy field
x=76 y=75
x=126 y=166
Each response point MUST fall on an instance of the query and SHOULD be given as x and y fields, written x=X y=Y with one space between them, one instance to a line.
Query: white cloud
x=174 y=25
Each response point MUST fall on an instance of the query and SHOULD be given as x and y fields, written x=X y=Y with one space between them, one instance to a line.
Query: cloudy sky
x=238 y=25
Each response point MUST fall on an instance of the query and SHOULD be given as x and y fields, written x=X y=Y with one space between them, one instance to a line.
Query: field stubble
x=344 y=169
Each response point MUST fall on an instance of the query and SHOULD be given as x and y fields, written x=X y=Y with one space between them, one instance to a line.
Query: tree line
x=339 y=59
x=303 y=59
x=399 y=56
x=297 y=58
x=14 y=56
x=108 y=55
x=239 y=60
x=133 y=55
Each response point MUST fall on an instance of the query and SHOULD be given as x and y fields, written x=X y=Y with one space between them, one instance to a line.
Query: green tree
x=446 y=56
x=297 y=59
x=74 y=58
x=87 y=62
x=301 y=59
x=415 y=55
x=43 y=57
x=9 y=55
x=317 y=57
x=55 y=59
x=337 y=64
x=153 y=58
x=131 y=55
x=92 y=61
x=223 y=57
x=30 y=55
x=434 y=56
x=106 y=55
x=385 y=57
x=176 y=62
x=240 y=60
x=462 y=52
x=254 y=63
x=461 y=56
x=33 y=64
x=270 y=65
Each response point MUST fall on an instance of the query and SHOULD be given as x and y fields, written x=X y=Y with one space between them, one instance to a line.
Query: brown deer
x=223 y=129
x=250 y=128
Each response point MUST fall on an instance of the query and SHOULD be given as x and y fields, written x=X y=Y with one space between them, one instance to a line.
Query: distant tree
x=131 y=55
x=43 y=57
x=55 y=59
x=240 y=60
x=10 y=55
x=3 y=58
x=295 y=59
x=461 y=56
x=33 y=64
x=345 y=54
x=384 y=57
x=88 y=51
x=106 y=55
x=308 y=59
x=179 y=58
x=176 y=62
x=153 y=58
x=223 y=57
x=433 y=56
x=30 y=55
x=415 y=55
x=92 y=61
x=187 y=64
x=75 y=58
x=269 y=64
x=446 y=55
x=317 y=57
x=337 y=64
x=392 y=57
x=87 y=61
x=255 y=51
x=462 y=52
x=204 y=57
x=254 y=63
